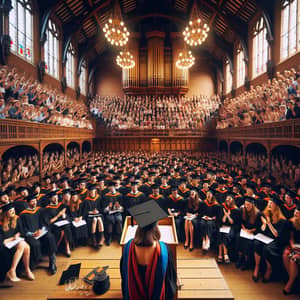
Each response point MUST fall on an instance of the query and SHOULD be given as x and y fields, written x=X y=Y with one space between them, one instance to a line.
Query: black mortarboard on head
x=67 y=191
x=30 y=197
x=111 y=183
x=47 y=177
x=147 y=214
x=276 y=200
x=155 y=186
x=174 y=188
x=7 y=207
x=298 y=206
x=92 y=187
x=251 y=185
x=52 y=194
x=291 y=193
x=249 y=199
x=74 y=192
x=222 y=181
x=135 y=182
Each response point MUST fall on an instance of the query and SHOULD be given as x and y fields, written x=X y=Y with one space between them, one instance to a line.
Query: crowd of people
x=276 y=100
x=245 y=215
x=23 y=98
x=154 y=112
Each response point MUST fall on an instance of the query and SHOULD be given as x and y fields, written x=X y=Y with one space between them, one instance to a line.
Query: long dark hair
x=194 y=202
x=145 y=237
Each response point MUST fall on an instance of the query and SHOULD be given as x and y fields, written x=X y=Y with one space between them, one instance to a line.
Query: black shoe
x=244 y=266
x=255 y=278
x=52 y=268
x=191 y=249
x=108 y=241
x=287 y=293
x=185 y=247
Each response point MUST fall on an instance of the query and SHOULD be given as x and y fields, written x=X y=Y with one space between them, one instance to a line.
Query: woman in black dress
x=79 y=225
x=291 y=255
x=190 y=223
x=230 y=226
x=210 y=219
x=274 y=226
x=250 y=222
x=9 y=232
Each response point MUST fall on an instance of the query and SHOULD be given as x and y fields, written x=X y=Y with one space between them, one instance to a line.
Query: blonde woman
x=9 y=233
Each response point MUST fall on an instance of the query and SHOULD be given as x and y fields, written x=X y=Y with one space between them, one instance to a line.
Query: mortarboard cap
x=92 y=187
x=111 y=183
x=30 y=197
x=74 y=192
x=101 y=282
x=249 y=199
x=276 y=200
x=52 y=193
x=7 y=207
x=147 y=214
x=67 y=191
x=291 y=193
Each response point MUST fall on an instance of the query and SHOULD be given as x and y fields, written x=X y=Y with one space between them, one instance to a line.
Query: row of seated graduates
x=117 y=183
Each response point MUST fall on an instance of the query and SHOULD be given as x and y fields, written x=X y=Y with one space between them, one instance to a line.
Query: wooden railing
x=17 y=129
x=104 y=132
x=289 y=129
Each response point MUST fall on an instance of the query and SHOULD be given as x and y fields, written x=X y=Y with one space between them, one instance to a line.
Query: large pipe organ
x=155 y=70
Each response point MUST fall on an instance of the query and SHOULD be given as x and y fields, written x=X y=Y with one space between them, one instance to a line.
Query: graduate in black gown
x=147 y=265
x=34 y=229
x=134 y=197
x=250 y=222
x=274 y=226
x=210 y=219
x=288 y=207
x=9 y=232
x=93 y=214
x=113 y=213
x=78 y=224
x=55 y=217
x=176 y=205
x=230 y=227
x=191 y=213
x=291 y=255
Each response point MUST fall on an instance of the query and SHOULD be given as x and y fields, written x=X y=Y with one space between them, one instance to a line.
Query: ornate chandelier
x=125 y=60
x=115 y=30
x=185 y=59
x=196 y=31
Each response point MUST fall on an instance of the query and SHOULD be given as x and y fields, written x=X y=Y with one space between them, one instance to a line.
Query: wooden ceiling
x=84 y=19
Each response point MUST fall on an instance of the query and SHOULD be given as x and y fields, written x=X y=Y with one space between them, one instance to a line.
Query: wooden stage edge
x=200 y=279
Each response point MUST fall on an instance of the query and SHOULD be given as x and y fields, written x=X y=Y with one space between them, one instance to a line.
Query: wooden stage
x=200 y=279
x=240 y=283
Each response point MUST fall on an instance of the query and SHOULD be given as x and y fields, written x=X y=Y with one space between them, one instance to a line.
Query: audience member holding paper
x=274 y=227
x=56 y=218
x=75 y=215
x=15 y=244
x=230 y=226
x=291 y=255
x=250 y=222
x=192 y=209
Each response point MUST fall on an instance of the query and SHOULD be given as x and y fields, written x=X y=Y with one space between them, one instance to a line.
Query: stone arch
x=223 y=146
x=236 y=147
x=289 y=152
x=256 y=148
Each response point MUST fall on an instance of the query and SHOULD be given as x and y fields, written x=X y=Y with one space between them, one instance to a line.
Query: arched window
x=289 y=43
x=83 y=78
x=228 y=77
x=260 y=48
x=70 y=67
x=240 y=66
x=20 y=29
x=52 y=50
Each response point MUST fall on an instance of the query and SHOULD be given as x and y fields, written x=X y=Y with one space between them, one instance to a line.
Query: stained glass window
x=21 y=30
x=70 y=67
x=51 y=50
x=260 y=48
x=290 y=38
x=83 y=78
x=228 y=77
x=240 y=66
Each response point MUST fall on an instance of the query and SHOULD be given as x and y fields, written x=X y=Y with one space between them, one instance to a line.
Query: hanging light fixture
x=125 y=60
x=197 y=30
x=185 y=59
x=115 y=30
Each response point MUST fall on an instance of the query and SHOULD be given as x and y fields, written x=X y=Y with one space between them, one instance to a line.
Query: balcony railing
x=288 y=129
x=101 y=132
x=17 y=129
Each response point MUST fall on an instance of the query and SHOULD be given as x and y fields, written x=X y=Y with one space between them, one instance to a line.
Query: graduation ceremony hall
x=150 y=149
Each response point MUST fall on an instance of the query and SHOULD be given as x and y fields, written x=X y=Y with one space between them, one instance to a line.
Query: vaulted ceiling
x=84 y=20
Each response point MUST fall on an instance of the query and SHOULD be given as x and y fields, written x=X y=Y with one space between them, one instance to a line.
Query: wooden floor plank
x=200 y=273
x=196 y=263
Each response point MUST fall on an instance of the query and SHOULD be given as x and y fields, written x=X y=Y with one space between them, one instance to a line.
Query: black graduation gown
x=288 y=211
x=159 y=199
x=80 y=234
x=165 y=190
x=170 y=277
x=228 y=239
x=273 y=251
x=31 y=221
x=221 y=195
x=210 y=227
x=133 y=199
x=51 y=211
